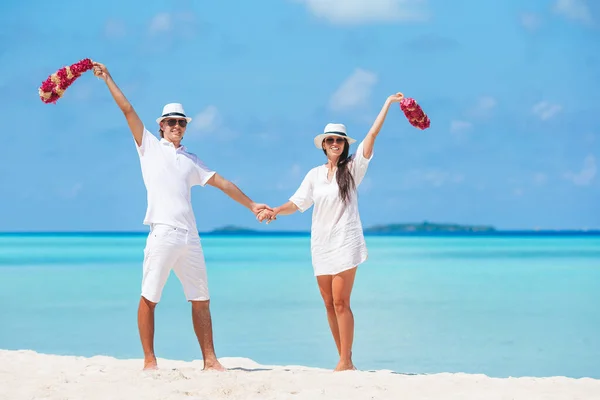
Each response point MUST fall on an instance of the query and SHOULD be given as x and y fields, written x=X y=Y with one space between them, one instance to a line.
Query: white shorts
x=173 y=248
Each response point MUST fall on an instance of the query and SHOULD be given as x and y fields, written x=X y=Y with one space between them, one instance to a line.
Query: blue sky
x=511 y=87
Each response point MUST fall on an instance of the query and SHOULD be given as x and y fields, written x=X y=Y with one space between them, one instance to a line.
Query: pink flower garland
x=54 y=87
x=414 y=113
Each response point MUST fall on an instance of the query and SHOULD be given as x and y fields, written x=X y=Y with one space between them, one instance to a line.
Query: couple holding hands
x=169 y=171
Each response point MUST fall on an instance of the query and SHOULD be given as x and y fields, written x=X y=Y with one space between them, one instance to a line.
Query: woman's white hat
x=173 y=110
x=332 y=130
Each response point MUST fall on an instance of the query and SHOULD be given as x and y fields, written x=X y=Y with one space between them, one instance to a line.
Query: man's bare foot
x=213 y=365
x=150 y=364
x=345 y=366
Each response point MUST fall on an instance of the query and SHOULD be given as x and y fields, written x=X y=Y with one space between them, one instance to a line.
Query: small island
x=428 y=227
x=233 y=229
x=398 y=228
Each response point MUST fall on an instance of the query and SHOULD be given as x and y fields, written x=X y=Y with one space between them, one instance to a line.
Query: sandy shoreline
x=30 y=375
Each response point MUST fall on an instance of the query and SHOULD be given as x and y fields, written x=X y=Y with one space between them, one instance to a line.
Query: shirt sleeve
x=303 y=198
x=201 y=173
x=149 y=141
x=360 y=164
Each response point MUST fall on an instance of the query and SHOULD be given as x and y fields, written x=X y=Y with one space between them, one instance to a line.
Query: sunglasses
x=173 y=122
x=337 y=140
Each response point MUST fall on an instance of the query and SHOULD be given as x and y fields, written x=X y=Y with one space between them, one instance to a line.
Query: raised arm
x=133 y=120
x=231 y=190
x=369 y=141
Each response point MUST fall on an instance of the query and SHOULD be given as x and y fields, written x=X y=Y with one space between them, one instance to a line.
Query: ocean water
x=497 y=305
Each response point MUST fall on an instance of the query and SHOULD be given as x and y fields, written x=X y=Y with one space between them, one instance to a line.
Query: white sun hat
x=173 y=110
x=332 y=130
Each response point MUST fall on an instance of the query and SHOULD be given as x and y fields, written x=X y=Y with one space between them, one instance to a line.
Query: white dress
x=337 y=240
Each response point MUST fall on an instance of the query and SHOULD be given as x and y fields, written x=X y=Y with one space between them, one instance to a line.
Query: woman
x=337 y=241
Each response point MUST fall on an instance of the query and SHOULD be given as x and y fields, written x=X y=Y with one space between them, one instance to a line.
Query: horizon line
x=269 y=232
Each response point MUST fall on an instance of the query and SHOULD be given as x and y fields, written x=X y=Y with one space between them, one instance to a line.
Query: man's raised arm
x=133 y=120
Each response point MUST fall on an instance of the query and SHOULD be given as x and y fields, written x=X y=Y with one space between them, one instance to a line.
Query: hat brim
x=188 y=119
x=320 y=137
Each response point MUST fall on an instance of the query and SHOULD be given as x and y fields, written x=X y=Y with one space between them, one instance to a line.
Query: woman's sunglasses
x=173 y=122
x=337 y=140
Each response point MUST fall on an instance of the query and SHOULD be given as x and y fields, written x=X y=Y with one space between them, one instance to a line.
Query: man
x=169 y=171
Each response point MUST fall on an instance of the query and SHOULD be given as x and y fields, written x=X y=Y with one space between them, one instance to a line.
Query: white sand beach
x=30 y=375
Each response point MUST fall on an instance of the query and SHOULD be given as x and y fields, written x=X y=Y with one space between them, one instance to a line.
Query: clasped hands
x=264 y=213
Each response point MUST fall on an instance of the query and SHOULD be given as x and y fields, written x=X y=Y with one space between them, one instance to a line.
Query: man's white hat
x=173 y=110
x=332 y=130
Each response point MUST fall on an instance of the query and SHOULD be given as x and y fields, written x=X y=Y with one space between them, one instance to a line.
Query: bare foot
x=150 y=364
x=213 y=366
x=345 y=366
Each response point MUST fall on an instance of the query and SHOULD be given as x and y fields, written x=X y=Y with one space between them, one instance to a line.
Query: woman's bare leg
x=342 y=284
x=325 y=286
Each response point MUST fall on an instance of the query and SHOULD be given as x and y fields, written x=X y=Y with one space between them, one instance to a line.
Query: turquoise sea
x=507 y=305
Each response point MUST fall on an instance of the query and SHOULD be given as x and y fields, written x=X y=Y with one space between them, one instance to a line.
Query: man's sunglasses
x=173 y=122
x=337 y=140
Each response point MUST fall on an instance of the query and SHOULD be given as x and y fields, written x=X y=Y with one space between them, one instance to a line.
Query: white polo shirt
x=169 y=175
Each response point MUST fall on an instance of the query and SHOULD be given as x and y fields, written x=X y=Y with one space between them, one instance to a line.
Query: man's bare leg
x=203 y=328
x=146 y=328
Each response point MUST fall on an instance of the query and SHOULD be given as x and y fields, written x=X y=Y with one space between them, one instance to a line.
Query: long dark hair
x=344 y=178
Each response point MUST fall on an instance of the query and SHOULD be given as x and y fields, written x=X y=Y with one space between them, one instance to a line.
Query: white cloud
x=266 y=137
x=210 y=124
x=367 y=11
x=292 y=178
x=208 y=120
x=460 y=126
x=528 y=180
x=161 y=22
x=540 y=178
x=483 y=108
x=587 y=173
x=545 y=110
x=71 y=191
x=354 y=92
x=576 y=10
x=530 y=21
x=486 y=103
x=114 y=29
x=182 y=23
x=589 y=138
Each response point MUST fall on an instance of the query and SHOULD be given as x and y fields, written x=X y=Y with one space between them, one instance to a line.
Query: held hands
x=100 y=71
x=268 y=215
x=256 y=208
x=262 y=212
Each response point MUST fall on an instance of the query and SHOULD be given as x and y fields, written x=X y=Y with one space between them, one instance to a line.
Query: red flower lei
x=414 y=113
x=54 y=87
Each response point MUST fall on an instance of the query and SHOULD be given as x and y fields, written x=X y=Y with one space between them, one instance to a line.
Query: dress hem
x=339 y=271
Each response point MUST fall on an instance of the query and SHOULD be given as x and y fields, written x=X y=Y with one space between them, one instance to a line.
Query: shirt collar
x=167 y=143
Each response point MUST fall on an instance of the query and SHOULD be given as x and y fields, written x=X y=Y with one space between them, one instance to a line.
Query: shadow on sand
x=249 y=369
x=287 y=370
